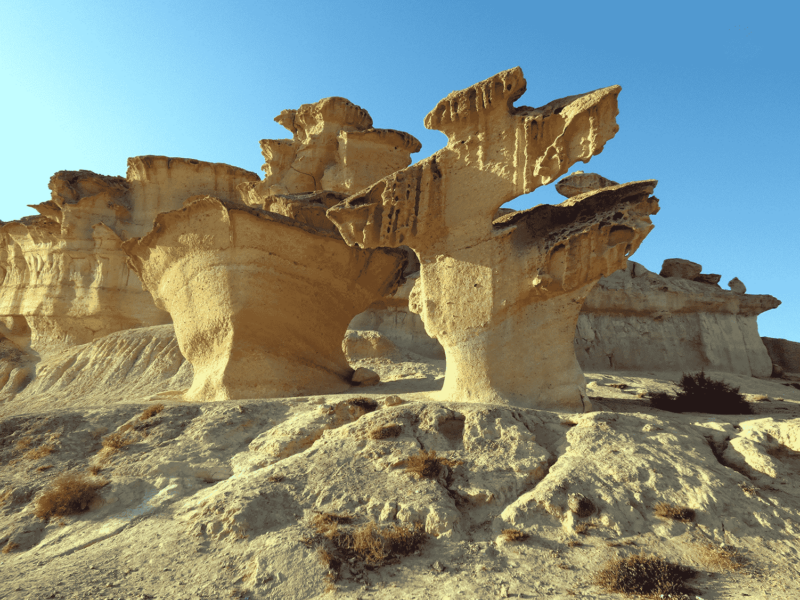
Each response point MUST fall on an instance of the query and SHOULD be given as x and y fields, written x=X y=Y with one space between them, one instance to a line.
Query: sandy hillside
x=217 y=500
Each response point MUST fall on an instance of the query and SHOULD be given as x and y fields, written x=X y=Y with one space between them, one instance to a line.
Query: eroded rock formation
x=334 y=147
x=260 y=301
x=503 y=297
x=640 y=321
x=65 y=278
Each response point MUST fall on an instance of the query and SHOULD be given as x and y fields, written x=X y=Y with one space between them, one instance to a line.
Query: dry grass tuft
x=386 y=431
x=276 y=478
x=24 y=443
x=68 y=494
x=645 y=575
x=114 y=442
x=44 y=468
x=721 y=558
x=39 y=452
x=749 y=489
x=514 y=535
x=428 y=465
x=583 y=528
x=574 y=543
x=676 y=513
x=95 y=469
x=9 y=547
x=151 y=411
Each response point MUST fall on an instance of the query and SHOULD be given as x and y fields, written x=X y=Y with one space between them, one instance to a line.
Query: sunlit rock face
x=65 y=277
x=502 y=295
x=639 y=321
x=334 y=147
x=260 y=301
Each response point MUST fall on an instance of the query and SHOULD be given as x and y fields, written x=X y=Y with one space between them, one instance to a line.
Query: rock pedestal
x=260 y=301
x=503 y=297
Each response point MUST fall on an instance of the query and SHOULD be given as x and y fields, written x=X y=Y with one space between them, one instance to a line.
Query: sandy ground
x=213 y=500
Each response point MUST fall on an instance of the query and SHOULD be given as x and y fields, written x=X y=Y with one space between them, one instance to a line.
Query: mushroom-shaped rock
x=334 y=148
x=503 y=297
x=260 y=301
x=579 y=183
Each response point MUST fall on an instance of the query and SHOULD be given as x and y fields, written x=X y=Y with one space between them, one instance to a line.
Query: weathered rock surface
x=334 y=147
x=783 y=353
x=579 y=183
x=503 y=298
x=260 y=301
x=65 y=278
x=229 y=489
x=681 y=268
x=137 y=363
x=637 y=320
x=736 y=286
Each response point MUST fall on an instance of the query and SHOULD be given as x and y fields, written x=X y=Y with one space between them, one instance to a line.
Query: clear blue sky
x=709 y=102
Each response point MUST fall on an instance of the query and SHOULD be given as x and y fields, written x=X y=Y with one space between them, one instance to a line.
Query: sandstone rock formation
x=736 y=286
x=65 y=279
x=260 y=301
x=639 y=321
x=334 y=147
x=579 y=183
x=784 y=354
x=503 y=297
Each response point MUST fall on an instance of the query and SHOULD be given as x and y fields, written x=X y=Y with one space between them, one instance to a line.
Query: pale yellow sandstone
x=503 y=297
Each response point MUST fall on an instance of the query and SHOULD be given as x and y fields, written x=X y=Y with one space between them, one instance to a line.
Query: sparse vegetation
x=68 y=494
x=385 y=432
x=644 y=574
x=676 y=513
x=581 y=506
x=427 y=465
x=151 y=411
x=95 y=469
x=44 y=468
x=749 y=489
x=39 y=452
x=365 y=404
x=276 y=478
x=114 y=442
x=721 y=558
x=700 y=393
x=337 y=540
x=514 y=535
x=24 y=443
x=574 y=543
x=9 y=547
x=583 y=528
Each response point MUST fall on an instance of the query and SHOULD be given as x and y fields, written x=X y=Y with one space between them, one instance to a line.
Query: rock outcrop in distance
x=503 y=295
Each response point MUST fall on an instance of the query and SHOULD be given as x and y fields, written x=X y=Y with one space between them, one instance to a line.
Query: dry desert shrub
x=24 y=443
x=676 y=513
x=427 y=465
x=749 y=489
x=583 y=528
x=365 y=404
x=9 y=547
x=95 y=469
x=644 y=574
x=721 y=558
x=514 y=535
x=114 y=442
x=39 y=452
x=68 y=494
x=44 y=468
x=151 y=411
x=700 y=393
x=385 y=432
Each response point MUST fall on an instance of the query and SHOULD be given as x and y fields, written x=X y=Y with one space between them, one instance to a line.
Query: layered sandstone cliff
x=65 y=278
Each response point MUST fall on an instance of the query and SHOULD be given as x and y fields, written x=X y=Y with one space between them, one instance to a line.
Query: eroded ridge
x=503 y=297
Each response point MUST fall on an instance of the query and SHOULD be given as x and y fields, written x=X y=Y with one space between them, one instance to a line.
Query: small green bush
x=699 y=393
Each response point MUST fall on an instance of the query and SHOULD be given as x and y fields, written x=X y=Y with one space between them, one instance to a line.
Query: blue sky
x=709 y=102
